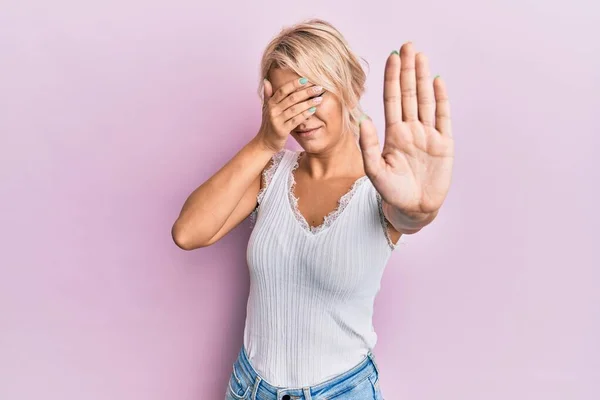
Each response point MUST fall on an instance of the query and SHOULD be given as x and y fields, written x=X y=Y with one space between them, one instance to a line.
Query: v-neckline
x=332 y=216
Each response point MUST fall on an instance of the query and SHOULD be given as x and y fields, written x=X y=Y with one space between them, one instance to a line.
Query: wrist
x=407 y=222
x=265 y=145
x=260 y=144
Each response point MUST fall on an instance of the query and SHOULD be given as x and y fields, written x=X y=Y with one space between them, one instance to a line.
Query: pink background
x=111 y=113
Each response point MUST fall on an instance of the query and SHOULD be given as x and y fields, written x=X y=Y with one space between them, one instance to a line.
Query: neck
x=343 y=159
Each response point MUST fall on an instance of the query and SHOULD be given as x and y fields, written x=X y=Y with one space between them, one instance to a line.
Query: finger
x=267 y=91
x=296 y=120
x=286 y=89
x=369 y=146
x=299 y=108
x=391 y=90
x=298 y=96
x=425 y=96
x=442 y=107
x=408 y=83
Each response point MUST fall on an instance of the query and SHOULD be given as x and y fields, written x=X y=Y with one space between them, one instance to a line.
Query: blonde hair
x=316 y=50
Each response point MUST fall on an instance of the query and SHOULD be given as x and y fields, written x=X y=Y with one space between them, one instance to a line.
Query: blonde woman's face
x=328 y=117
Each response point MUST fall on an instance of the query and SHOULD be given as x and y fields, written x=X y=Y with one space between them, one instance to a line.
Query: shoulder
x=269 y=169
x=266 y=177
x=392 y=236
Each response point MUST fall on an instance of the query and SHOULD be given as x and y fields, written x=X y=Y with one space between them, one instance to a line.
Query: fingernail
x=437 y=76
x=312 y=109
x=303 y=81
x=317 y=100
x=317 y=89
x=394 y=52
x=362 y=118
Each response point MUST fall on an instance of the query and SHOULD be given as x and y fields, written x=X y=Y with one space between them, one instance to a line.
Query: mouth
x=306 y=132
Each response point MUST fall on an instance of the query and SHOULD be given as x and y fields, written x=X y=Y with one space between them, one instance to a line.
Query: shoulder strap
x=267 y=177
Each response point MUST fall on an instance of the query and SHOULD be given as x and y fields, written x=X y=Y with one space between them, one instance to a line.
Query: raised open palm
x=414 y=169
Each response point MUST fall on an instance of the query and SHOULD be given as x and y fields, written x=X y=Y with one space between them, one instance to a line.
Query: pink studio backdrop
x=112 y=112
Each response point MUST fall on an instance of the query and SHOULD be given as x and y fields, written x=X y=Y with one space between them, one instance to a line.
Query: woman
x=327 y=218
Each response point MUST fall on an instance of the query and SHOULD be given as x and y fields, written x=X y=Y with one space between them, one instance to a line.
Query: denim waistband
x=330 y=387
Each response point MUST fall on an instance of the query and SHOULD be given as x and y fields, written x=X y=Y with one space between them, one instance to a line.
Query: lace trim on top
x=384 y=221
x=329 y=218
x=267 y=176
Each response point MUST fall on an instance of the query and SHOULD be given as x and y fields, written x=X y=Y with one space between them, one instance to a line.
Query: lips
x=307 y=130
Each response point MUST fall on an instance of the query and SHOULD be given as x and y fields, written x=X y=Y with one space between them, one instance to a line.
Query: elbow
x=182 y=239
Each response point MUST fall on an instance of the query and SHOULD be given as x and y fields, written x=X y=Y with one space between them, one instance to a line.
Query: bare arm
x=230 y=195
x=224 y=200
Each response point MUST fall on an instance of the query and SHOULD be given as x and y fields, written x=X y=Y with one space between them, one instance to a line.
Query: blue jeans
x=361 y=382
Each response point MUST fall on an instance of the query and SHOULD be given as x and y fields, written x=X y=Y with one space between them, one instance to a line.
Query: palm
x=414 y=170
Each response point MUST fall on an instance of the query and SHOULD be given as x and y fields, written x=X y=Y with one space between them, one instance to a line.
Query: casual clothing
x=361 y=382
x=312 y=289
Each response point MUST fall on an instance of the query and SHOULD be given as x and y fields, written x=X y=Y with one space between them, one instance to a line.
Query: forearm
x=208 y=206
x=407 y=223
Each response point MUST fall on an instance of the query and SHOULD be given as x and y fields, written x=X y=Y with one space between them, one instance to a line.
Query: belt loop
x=255 y=387
x=307 y=395
x=372 y=357
x=237 y=378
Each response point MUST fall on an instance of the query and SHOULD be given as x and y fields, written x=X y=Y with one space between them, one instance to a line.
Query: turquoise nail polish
x=312 y=109
x=303 y=81
x=362 y=118
x=395 y=52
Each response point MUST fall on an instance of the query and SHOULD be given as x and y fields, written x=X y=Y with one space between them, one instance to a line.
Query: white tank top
x=312 y=289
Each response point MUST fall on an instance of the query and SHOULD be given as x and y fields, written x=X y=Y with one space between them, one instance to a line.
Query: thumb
x=369 y=145
x=267 y=91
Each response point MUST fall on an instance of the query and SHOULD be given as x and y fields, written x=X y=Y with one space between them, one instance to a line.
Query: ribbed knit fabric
x=310 y=307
